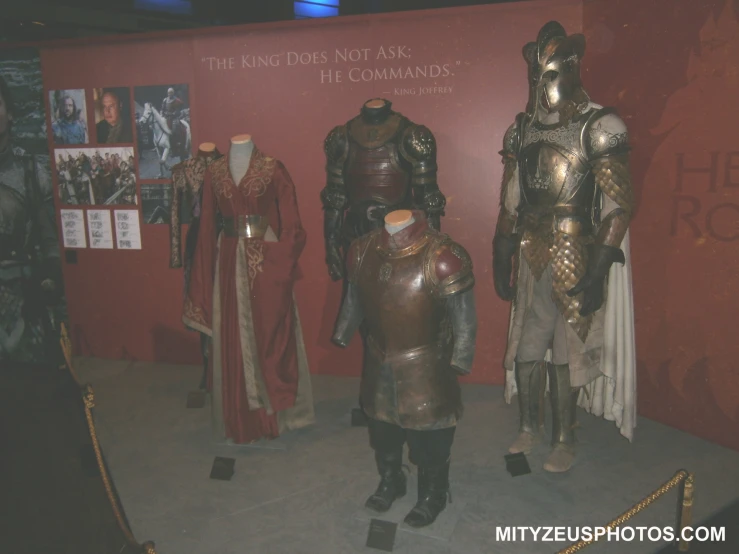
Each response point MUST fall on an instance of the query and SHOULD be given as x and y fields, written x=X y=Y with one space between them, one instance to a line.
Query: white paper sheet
x=101 y=230
x=73 y=229
x=127 y=229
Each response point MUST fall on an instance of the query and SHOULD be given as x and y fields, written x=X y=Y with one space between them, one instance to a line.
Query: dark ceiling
x=36 y=20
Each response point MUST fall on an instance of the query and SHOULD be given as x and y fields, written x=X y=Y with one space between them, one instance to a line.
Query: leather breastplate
x=376 y=176
x=401 y=314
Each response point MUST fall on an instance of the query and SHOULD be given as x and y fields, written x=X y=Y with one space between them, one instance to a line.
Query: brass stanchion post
x=686 y=511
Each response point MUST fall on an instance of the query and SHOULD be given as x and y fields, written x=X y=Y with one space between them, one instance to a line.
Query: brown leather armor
x=378 y=162
x=403 y=296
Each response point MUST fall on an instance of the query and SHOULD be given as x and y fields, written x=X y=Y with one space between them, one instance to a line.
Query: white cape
x=613 y=394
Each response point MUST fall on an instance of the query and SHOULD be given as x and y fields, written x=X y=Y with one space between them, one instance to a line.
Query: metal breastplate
x=401 y=314
x=555 y=175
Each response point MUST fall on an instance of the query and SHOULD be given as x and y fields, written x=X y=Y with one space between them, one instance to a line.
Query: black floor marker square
x=223 y=468
x=381 y=535
x=517 y=464
x=196 y=399
x=359 y=418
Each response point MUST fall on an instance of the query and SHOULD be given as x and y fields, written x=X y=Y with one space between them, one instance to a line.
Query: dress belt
x=246 y=226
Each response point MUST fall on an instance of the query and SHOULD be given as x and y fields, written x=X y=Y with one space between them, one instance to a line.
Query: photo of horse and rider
x=162 y=129
x=96 y=176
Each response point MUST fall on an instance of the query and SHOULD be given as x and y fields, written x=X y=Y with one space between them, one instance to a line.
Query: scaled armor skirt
x=605 y=365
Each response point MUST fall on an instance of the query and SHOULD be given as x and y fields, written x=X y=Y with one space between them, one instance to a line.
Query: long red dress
x=241 y=294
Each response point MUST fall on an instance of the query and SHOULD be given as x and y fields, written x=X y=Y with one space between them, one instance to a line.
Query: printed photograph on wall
x=156 y=202
x=32 y=300
x=96 y=176
x=162 y=128
x=113 y=115
x=68 y=116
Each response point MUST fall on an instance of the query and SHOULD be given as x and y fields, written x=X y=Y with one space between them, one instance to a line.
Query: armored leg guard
x=392 y=480
x=564 y=399
x=433 y=489
x=529 y=381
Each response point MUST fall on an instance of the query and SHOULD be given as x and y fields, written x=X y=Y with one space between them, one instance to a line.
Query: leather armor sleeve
x=333 y=195
x=351 y=314
x=461 y=308
x=419 y=148
x=448 y=268
x=607 y=144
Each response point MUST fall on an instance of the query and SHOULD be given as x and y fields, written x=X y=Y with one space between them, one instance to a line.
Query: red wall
x=128 y=303
x=674 y=75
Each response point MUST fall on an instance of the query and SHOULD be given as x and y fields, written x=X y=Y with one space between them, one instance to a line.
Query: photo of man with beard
x=69 y=113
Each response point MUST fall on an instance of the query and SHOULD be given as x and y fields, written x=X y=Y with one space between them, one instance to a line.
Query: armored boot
x=564 y=399
x=433 y=489
x=392 y=480
x=529 y=381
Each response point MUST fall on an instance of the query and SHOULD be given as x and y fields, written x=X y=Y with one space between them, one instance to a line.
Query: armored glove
x=503 y=249
x=591 y=285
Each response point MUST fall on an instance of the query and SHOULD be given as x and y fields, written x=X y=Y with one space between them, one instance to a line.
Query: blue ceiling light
x=172 y=6
x=316 y=8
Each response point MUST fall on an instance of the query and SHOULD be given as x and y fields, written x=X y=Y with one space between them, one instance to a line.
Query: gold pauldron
x=246 y=226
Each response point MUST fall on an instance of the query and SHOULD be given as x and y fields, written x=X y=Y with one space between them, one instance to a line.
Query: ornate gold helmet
x=554 y=67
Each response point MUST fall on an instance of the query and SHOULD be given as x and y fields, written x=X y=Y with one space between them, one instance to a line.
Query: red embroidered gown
x=241 y=294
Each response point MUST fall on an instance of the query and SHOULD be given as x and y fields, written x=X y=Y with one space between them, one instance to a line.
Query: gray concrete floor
x=304 y=492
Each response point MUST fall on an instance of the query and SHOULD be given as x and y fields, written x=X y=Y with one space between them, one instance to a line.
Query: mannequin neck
x=209 y=153
x=398 y=237
x=392 y=229
x=239 y=156
x=375 y=116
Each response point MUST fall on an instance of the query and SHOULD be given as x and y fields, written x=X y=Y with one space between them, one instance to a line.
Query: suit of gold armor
x=566 y=204
x=377 y=162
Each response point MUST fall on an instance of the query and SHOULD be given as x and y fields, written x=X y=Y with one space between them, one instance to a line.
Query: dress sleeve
x=175 y=231
x=198 y=308
x=281 y=257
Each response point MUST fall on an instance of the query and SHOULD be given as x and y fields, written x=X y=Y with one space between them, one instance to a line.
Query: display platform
x=303 y=493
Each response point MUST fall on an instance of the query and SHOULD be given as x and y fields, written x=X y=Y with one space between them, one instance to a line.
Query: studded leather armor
x=377 y=163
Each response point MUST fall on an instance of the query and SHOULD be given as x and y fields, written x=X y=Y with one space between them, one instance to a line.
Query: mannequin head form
x=398 y=220
x=375 y=103
x=376 y=110
x=207 y=147
x=241 y=139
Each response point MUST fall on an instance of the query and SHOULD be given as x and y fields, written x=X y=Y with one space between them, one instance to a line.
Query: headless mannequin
x=376 y=111
x=398 y=220
x=208 y=150
x=239 y=156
